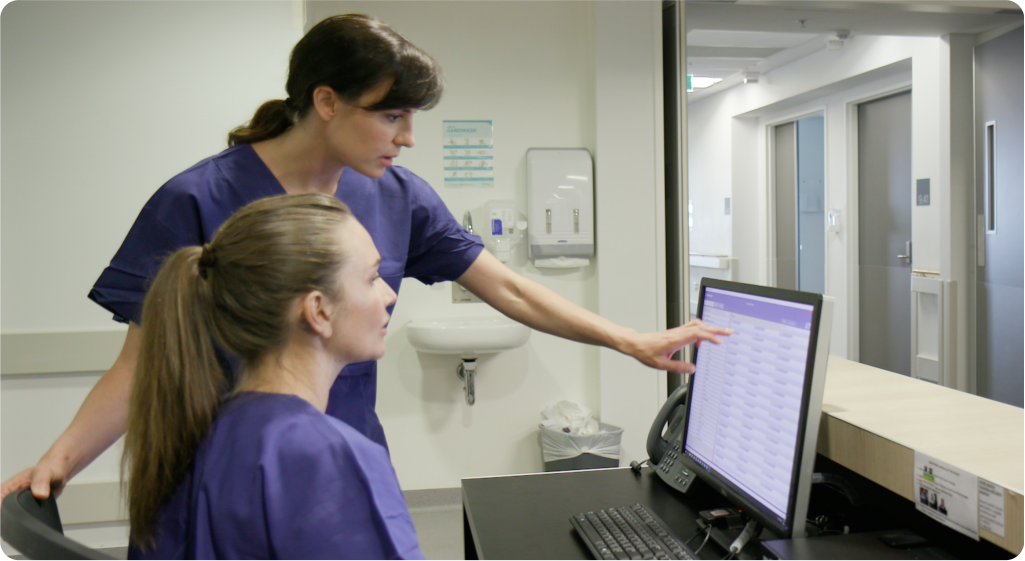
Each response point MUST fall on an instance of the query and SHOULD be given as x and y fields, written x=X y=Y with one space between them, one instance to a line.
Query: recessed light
x=700 y=82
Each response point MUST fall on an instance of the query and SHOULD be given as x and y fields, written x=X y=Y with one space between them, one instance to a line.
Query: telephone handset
x=664 y=453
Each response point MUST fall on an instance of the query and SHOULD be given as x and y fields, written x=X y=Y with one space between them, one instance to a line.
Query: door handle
x=907 y=255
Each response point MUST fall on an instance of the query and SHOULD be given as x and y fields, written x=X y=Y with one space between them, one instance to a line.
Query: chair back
x=33 y=527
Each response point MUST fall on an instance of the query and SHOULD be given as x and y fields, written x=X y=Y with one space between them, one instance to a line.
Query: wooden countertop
x=873 y=422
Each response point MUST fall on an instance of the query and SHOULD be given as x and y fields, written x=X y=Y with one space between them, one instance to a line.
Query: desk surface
x=527 y=516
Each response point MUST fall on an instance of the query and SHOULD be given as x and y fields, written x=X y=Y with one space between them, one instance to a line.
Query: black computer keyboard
x=629 y=532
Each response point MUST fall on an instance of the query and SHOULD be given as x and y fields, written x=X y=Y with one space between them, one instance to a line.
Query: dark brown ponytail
x=271 y=119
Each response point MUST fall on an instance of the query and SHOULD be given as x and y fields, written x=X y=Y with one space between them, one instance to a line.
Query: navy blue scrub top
x=415 y=234
x=277 y=479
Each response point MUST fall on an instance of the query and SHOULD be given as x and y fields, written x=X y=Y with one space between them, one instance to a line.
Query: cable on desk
x=821 y=527
x=750 y=530
x=698 y=533
x=708 y=534
x=729 y=556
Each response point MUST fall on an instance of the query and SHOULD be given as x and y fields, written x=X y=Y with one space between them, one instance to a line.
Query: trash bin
x=562 y=451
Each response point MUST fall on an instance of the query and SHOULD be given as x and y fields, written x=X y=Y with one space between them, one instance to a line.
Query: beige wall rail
x=60 y=352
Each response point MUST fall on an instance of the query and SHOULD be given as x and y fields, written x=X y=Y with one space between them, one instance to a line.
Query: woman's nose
x=405 y=137
x=406 y=140
x=389 y=295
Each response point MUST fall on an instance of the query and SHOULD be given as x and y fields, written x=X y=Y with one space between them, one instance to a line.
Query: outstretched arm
x=100 y=421
x=542 y=309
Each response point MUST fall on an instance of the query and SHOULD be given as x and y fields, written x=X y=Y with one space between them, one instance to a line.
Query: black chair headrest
x=43 y=510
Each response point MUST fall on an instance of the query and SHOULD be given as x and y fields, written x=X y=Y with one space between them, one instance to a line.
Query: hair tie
x=289 y=103
x=207 y=259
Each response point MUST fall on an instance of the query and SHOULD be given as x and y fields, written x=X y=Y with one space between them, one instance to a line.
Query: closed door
x=884 y=233
x=1000 y=290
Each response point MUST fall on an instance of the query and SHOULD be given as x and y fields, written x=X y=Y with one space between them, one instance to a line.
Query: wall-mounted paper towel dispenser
x=560 y=207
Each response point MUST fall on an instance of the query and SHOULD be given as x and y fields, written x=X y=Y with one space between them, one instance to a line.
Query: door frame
x=769 y=130
x=851 y=222
x=980 y=198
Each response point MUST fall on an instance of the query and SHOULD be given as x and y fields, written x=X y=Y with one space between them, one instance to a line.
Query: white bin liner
x=569 y=431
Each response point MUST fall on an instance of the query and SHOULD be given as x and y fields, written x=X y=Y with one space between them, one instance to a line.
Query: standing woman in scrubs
x=353 y=87
x=290 y=285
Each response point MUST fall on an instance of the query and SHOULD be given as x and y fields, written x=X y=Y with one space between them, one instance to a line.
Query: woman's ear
x=317 y=313
x=325 y=102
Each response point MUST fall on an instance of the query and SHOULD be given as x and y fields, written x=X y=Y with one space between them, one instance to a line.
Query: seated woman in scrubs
x=290 y=286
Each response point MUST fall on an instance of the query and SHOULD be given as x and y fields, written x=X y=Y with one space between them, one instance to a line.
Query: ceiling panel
x=727 y=37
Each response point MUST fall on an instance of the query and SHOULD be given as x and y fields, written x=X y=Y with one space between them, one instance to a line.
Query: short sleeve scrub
x=277 y=479
x=415 y=234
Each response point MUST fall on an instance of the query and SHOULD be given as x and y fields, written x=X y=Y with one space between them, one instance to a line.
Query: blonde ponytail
x=177 y=392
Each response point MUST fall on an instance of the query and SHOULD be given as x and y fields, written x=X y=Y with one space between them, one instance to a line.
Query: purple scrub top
x=277 y=479
x=415 y=234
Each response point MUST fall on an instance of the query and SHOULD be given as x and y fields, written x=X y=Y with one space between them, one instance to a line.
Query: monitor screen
x=752 y=397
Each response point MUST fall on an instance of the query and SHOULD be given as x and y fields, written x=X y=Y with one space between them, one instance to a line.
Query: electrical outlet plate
x=462 y=296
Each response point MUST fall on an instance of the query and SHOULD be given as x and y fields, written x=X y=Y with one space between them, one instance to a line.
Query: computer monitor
x=754 y=401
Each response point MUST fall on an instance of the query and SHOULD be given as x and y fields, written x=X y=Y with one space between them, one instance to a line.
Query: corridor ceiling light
x=836 y=42
x=700 y=82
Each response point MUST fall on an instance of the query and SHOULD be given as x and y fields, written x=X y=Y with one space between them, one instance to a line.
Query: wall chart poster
x=469 y=154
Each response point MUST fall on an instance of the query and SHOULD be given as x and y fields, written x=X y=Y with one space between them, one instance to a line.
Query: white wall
x=128 y=94
x=101 y=103
x=735 y=164
x=630 y=197
x=710 y=175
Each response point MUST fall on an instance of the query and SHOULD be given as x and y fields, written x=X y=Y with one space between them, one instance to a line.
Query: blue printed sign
x=469 y=154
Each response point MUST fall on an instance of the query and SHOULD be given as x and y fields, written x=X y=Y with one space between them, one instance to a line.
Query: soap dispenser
x=505 y=228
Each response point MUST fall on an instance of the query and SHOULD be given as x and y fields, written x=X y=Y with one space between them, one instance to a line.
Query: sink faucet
x=467 y=371
x=468 y=222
